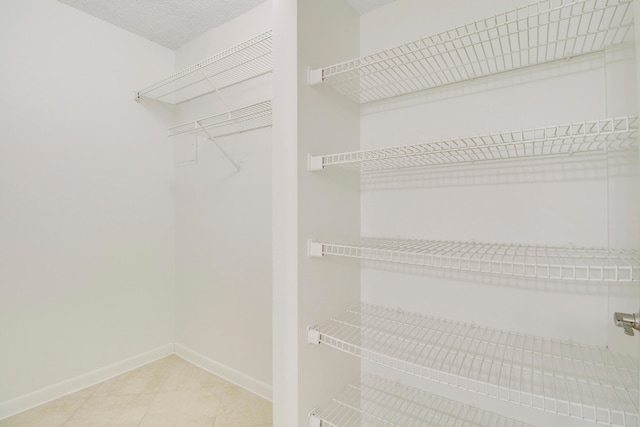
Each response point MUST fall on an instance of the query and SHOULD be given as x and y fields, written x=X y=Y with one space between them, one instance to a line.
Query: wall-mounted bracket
x=314 y=420
x=313 y=335
x=314 y=249
x=314 y=77
x=627 y=321
x=314 y=163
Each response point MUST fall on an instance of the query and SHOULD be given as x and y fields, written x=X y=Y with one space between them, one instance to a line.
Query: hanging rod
x=251 y=117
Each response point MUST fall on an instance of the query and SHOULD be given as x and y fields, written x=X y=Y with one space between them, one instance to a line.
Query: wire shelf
x=543 y=31
x=560 y=377
x=235 y=65
x=376 y=401
x=544 y=262
x=251 y=117
x=573 y=138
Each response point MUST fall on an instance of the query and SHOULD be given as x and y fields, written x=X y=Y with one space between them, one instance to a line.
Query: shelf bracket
x=224 y=153
x=206 y=76
x=314 y=77
x=314 y=420
x=628 y=322
x=315 y=163
x=315 y=249
x=313 y=335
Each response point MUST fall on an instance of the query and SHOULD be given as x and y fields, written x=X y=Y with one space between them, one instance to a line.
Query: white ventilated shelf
x=377 y=401
x=544 y=31
x=235 y=65
x=566 y=139
x=251 y=117
x=560 y=377
x=544 y=262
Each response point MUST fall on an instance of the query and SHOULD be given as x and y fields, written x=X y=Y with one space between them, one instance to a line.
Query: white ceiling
x=172 y=23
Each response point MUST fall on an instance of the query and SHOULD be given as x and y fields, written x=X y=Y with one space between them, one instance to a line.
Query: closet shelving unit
x=541 y=262
x=240 y=63
x=251 y=117
x=560 y=377
x=544 y=31
x=245 y=61
x=376 y=401
x=578 y=381
x=566 y=139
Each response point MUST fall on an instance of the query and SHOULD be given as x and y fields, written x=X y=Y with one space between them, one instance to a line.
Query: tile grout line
x=84 y=401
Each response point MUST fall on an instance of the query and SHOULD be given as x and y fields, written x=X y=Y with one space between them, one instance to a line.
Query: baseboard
x=258 y=387
x=28 y=401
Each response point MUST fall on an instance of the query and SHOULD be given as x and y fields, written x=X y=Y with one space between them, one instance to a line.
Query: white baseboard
x=258 y=387
x=28 y=401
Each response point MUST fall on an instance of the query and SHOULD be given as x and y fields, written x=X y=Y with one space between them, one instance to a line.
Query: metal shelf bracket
x=627 y=321
x=314 y=420
x=314 y=77
x=313 y=335
x=315 y=249
x=314 y=163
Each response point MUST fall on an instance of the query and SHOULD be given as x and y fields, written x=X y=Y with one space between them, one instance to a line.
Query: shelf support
x=314 y=163
x=315 y=249
x=314 y=77
x=314 y=420
x=313 y=335
x=206 y=76
x=224 y=153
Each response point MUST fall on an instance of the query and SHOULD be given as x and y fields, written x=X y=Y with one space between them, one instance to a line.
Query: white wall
x=86 y=200
x=223 y=225
x=585 y=201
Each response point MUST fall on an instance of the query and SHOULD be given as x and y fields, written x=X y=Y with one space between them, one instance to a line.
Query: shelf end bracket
x=314 y=420
x=314 y=249
x=314 y=77
x=313 y=335
x=314 y=163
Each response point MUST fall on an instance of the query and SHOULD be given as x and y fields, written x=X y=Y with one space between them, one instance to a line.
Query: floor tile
x=187 y=408
x=186 y=376
x=169 y=392
x=147 y=379
x=111 y=411
x=238 y=407
x=52 y=414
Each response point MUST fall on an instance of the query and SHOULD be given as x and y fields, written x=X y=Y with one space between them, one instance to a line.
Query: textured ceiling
x=172 y=23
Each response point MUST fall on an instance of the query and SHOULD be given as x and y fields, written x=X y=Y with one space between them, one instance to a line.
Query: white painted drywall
x=223 y=222
x=585 y=201
x=86 y=200
x=327 y=203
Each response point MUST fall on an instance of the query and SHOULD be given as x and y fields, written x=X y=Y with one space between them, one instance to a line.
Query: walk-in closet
x=320 y=213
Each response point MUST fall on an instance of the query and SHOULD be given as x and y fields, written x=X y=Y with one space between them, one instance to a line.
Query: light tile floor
x=170 y=392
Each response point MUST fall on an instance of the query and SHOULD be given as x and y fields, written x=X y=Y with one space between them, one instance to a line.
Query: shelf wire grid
x=543 y=31
x=560 y=377
x=235 y=65
x=565 y=139
x=544 y=262
x=377 y=401
x=251 y=117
